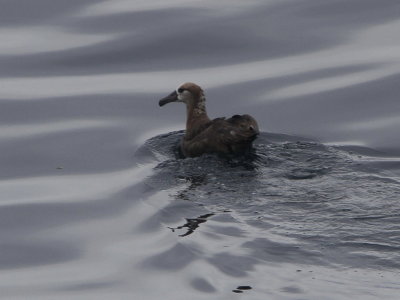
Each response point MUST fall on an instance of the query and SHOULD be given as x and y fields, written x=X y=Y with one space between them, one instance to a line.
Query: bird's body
x=223 y=136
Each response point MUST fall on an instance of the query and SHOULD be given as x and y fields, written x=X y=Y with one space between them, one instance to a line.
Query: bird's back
x=224 y=136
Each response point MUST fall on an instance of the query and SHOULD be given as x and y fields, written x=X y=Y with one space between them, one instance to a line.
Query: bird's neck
x=197 y=118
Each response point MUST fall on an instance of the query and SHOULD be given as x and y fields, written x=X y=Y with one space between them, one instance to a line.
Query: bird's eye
x=180 y=90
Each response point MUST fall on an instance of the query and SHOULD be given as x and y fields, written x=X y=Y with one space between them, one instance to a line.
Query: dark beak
x=170 y=98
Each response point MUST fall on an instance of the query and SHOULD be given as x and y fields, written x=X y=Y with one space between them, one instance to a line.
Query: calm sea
x=94 y=202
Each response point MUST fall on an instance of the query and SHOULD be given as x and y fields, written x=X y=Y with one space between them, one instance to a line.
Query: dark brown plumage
x=223 y=136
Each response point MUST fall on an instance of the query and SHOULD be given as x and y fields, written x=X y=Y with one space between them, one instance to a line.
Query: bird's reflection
x=192 y=224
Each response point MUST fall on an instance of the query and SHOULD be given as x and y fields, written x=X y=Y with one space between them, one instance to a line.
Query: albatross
x=222 y=136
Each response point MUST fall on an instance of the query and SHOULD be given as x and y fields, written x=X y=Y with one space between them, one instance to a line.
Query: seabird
x=222 y=136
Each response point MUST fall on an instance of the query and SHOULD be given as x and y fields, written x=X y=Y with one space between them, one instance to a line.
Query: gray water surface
x=96 y=204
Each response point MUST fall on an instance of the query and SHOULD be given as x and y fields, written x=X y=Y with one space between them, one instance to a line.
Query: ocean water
x=96 y=204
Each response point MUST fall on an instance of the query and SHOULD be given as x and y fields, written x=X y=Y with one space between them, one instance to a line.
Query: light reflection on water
x=91 y=210
x=31 y=40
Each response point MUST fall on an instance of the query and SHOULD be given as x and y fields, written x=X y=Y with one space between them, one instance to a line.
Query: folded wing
x=231 y=136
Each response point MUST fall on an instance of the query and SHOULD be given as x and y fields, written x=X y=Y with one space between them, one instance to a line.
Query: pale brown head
x=189 y=93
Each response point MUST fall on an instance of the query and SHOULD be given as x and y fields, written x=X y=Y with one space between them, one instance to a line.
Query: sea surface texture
x=95 y=202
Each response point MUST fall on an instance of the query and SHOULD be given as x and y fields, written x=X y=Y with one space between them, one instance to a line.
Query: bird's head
x=189 y=93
